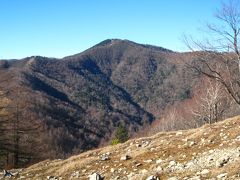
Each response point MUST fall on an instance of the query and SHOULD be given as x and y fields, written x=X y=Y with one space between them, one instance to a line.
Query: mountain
x=146 y=72
x=76 y=103
x=209 y=152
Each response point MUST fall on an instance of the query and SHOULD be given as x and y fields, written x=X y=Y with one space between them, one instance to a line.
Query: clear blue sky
x=57 y=28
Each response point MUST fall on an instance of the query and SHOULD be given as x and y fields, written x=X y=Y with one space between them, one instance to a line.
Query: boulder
x=138 y=145
x=159 y=161
x=138 y=164
x=195 y=178
x=125 y=157
x=144 y=171
x=172 y=163
x=159 y=169
x=95 y=176
x=152 y=178
x=221 y=176
x=148 y=161
x=191 y=143
x=53 y=178
x=75 y=174
x=205 y=172
x=104 y=157
x=7 y=173
x=221 y=162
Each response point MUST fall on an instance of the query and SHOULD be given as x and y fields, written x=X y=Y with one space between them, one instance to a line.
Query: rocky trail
x=209 y=152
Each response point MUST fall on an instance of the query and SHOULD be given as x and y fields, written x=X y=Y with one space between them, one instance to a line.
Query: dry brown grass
x=166 y=146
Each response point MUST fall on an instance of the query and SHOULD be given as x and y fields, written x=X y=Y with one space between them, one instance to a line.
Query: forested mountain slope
x=76 y=103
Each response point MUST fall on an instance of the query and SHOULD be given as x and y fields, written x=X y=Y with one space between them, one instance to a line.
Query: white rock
x=205 y=171
x=50 y=177
x=211 y=151
x=148 y=161
x=108 y=153
x=138 y=164
x=125 y=157
x=138 y=145
x=144 y=171
x=179 y=167
x=179 y=133
x=152 y=178
x=7 y=173
x=104 y=157
x=210 y=159
x=159 y=169
x=173 y=178
x=172 y=163
x=75 y=174
x=189 y=164
x=221 y=162
x=225 y=137
x=221 y=176
x=53 y=178
x=95 y=176
x=159 y=161
x=238 y=138
x=191 y=143
x=195 y=178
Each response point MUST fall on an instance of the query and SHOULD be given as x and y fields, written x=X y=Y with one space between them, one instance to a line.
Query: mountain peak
x=111 y=42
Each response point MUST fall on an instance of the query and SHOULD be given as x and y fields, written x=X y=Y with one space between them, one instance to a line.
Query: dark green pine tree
x=121 y=135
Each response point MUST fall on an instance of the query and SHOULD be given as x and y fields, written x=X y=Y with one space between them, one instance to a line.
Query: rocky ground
x=209 y=152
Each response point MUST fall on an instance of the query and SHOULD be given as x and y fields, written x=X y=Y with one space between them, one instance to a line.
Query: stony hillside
x=209 y=152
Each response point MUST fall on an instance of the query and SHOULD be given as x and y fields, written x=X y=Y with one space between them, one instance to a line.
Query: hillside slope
x=209 y=152
x=80 y=100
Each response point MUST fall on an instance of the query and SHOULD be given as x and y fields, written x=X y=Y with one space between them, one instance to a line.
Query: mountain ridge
x=80 y=100
x=110 y=42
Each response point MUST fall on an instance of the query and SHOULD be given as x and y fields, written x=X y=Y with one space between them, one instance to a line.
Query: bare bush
x=211 y=104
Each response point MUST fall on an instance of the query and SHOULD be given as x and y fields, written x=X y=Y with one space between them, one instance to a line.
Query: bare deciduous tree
x=218 y=57
x=211 y=104
x=15 y=137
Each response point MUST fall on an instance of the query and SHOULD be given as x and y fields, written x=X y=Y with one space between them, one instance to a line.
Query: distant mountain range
x=80 y=100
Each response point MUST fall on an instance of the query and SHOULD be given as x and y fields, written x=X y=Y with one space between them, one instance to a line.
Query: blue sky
x=57 y=28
